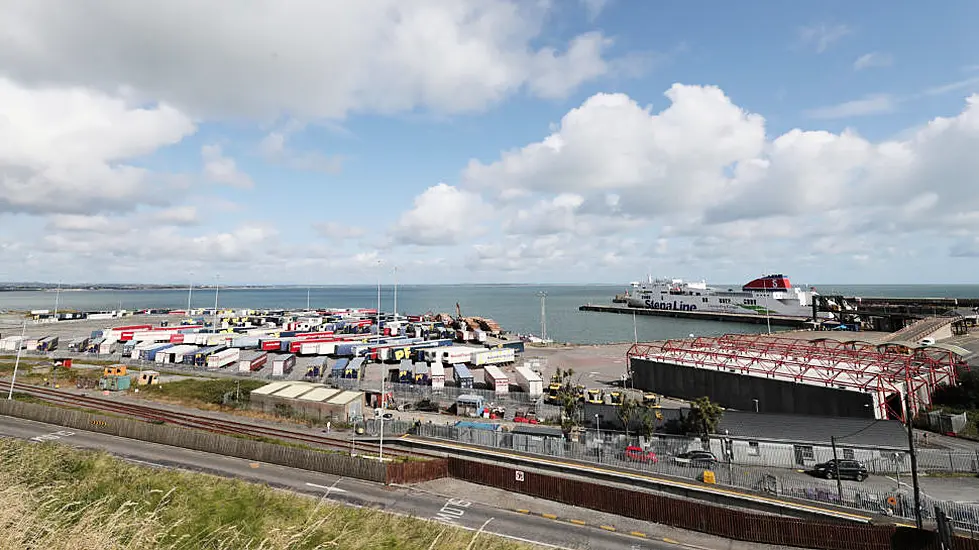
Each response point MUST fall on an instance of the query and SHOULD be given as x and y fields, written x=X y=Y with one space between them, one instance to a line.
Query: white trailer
x=437 y=376
x=108 y=346
x=10 y=343
x=529 y=381
x=252 y=361
x=282 y=364
x=152 y=336
x=223 y=358
x=453 y=354
x=175 y=354
x=496 y=380
x=493 y=356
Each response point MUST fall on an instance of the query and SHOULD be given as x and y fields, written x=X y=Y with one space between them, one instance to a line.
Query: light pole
x=768 y=316
x=20 y=346
x=543 y=317
x=190 y=291
x=756 y=404
x=395 y=293
x=380 y=453
x=57 y=299
x=307 y=298
x=217 y=284
x=635 y=329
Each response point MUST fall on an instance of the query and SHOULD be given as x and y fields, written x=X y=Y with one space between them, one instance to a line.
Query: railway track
x=199 y=422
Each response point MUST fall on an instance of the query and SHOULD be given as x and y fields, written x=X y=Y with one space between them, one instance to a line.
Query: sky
x=477 y=141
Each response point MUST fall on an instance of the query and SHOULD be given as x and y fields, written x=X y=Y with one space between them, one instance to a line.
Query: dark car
x=842 y=469
x=699 y=459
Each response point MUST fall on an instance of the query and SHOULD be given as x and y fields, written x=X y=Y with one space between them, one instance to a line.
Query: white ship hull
x=770 y=295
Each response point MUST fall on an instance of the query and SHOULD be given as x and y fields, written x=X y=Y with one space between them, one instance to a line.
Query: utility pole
x=307 y=298
x=836 y=464
x=909 y=419
x=395 y=293
x=768 y=316
x=543 y=317
x=20 y=346
x=635 y=329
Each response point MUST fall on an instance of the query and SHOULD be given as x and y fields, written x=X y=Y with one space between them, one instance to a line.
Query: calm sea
x=516 y=307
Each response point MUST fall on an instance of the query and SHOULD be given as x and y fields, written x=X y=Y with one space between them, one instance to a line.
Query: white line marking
x=325 y=488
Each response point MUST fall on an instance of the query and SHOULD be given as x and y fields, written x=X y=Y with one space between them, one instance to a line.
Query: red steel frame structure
x=883 y=370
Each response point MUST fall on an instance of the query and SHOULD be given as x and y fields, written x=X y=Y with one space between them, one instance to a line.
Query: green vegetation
x=57 y=498
x=703 y=417
x=963 y=397
x=194 y=392
x=568 y=398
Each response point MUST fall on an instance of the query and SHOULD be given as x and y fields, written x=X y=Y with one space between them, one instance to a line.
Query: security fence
x=609 y=449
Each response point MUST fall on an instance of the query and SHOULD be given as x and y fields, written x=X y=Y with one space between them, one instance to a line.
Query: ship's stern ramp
x=794 y=376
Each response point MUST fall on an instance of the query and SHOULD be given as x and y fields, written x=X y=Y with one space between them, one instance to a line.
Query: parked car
x=637 y=454
x=843 y=469
x=699 y=459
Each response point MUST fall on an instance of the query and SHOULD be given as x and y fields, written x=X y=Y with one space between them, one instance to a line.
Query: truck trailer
x=529 y=381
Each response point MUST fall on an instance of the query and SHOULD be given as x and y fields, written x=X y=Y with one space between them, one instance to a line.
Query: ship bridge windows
x=724 y=300
x=705 y=300
x=750 y=302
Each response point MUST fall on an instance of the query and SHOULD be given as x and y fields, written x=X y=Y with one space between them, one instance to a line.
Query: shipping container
x=461 y=375
x=516 y=345
x=78 y=344
x=11 y=343
x=454 y=354
x=496 y=380
x=150 y=354
x=177 y=338
x=283 y=364
x=270 y=344
x=223 y=358
x=352 y=370
x=437 y=376
x=529 y=381
x=479 y=336
x=97 y=334
x=48 y=343
x=338 y=367
x=251 y=361
x=405 y=372
x=94 y=345
x=245 y=342
x=497 y=356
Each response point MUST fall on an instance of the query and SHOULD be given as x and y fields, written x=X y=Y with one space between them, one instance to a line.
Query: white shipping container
x=108 y=346
x=10 y=343
x=493 y=356
x=218 y=339
x=174 y=354
x=328 y=348
x=140 y=347
x=496 y=380
x=437 y=376
x=311 y=348
x=529 y=381
x=223 y=358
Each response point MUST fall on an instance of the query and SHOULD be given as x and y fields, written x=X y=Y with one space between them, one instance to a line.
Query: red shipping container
x=260 y=362
x=271 y=345
x=176 y=338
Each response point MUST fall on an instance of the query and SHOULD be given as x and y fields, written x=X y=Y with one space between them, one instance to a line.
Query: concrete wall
x=737 y=391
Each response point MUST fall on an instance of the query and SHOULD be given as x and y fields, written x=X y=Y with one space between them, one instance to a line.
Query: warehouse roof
x=294 y=390
x=270 y=388
x=345 y=397
x=862 y=432
x=321 y=393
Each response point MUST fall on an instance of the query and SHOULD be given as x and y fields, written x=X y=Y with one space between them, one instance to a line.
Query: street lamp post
x=380 y=453
x=395 y=293
x=190 y=291
x=217 y=284
x=20 y=346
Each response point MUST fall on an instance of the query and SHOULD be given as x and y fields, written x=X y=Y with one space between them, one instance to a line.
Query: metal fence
x=609 y=449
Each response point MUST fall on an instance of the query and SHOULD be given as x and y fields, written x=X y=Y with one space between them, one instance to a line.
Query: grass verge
x=58 y=498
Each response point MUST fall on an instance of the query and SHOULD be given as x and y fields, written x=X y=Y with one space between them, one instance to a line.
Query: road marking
x=452 y=511
x=607 y=527
x=659 y=480
x=326 y=488
x=53 y=436
x=670 y=541
x=523 y=511
x=548 y=516
x=576 y=521
x=637 y=534
x=253 y=464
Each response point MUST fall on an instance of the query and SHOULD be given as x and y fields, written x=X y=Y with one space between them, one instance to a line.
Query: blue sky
x=478 y=141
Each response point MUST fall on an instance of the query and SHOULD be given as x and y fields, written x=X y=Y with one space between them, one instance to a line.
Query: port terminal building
x=824 y=377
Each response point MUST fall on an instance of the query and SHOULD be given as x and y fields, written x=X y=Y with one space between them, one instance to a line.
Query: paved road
x=399 y=500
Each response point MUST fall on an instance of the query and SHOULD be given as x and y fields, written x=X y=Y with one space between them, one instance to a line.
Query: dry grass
x=57 y=498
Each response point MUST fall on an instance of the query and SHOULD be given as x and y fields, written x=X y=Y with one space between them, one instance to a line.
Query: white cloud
x=338 y=231
x=178 y=215
x=708 y=184
x=822 y=36
x=221 y=169
x=65 y=149
x=870 y=105
x=274 y=148
x=594 y=8
x=611 y=144
x=441 y=215
x=873 y=59
x=304 y=58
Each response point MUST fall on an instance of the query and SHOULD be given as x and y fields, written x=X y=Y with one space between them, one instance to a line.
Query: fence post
x=951 y=464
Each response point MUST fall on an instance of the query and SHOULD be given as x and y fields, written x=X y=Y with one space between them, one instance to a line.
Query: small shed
x=469 y=405
x=148 y=378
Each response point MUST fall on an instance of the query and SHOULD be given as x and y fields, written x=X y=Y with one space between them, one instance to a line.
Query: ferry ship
x=768 y=295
